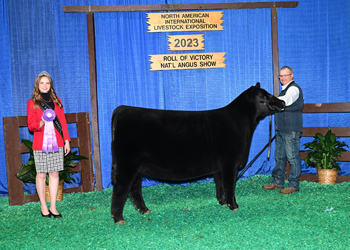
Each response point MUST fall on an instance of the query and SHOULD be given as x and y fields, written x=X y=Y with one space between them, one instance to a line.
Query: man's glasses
x=280 y=76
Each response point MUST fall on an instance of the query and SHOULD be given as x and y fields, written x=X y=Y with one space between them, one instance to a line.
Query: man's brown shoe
x=271 y=187
x=288 y=191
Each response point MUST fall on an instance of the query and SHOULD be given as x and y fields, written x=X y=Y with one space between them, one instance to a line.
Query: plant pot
x=327 y=176
x=59 y=193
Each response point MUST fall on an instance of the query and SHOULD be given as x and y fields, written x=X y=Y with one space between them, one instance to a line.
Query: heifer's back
x=180 y=145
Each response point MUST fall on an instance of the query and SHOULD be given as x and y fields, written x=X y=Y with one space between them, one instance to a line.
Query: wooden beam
x=177 y=7
x=344 y=157
x=338 y=107
x=339 y=131
x=93 y=98
x=275 y=56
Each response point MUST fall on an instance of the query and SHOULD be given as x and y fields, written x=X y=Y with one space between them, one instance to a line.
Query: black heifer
x=181 y=145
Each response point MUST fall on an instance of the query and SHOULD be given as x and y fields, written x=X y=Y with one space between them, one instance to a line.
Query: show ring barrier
x=14 y=148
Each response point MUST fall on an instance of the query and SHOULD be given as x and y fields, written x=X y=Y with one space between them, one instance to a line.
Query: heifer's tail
x=114 y=121
x=114 y=126
x=115 y=114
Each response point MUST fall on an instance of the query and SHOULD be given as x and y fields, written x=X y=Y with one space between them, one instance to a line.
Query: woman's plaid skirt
x=48 y=162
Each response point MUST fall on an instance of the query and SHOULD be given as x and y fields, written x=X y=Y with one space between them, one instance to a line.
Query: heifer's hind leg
x=136 y=197
x=117 y=206
x=123 y=181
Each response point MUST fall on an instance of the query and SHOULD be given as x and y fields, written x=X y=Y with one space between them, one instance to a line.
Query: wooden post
x=93 y=96
x=84 y=142
x=275 y=56
x=13 y=160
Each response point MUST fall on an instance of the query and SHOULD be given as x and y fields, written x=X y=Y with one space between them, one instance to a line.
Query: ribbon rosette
x=50 y=140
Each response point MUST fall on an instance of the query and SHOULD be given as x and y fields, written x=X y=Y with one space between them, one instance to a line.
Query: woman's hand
x=66 y=147
x=42 y=122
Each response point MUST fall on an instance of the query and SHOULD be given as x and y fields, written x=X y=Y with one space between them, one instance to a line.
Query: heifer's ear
x=257 y=85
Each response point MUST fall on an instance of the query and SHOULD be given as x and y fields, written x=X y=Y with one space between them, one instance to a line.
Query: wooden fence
x=341 y=107
x=14 y=148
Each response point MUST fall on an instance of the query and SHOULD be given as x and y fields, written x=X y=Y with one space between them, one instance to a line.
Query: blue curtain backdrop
x=6 y=106
x=38 y=35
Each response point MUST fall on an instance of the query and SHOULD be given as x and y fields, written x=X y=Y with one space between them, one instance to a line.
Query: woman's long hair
x=36 y=92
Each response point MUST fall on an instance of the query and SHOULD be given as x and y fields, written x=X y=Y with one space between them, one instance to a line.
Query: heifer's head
x=265 y=103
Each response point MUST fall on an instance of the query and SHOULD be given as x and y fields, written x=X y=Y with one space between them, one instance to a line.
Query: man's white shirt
x=291 y=95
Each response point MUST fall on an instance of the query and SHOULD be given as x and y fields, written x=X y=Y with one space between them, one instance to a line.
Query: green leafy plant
x=324 y=151
x=28 y=170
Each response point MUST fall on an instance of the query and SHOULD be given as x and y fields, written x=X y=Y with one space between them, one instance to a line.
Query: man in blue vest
x=289 y=128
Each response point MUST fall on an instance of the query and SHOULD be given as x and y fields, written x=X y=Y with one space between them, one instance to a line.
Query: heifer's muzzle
x=276 y=104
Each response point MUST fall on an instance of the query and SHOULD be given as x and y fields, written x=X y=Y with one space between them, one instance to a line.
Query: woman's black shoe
x=48 y=215
x=55 y=215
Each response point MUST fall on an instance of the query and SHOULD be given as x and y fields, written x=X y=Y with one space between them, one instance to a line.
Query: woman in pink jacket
x=45 y=161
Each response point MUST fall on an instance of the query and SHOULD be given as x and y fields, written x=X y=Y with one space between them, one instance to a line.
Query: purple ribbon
x=50 y=140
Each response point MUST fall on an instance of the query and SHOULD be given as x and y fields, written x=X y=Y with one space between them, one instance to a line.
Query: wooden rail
x=341 y=107
x=14 y=148
x=177 y=7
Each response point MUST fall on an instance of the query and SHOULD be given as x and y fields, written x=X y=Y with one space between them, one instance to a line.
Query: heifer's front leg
x=220 y=195
x=229 y=177
x=136 y=195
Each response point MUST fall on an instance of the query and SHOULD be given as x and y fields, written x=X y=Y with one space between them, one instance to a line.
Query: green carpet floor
x=188 y=218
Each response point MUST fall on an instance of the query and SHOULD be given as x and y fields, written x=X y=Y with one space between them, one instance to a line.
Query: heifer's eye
x=263 y=98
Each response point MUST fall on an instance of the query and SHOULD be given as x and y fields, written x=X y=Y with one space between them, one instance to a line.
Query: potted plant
x=28 y=170
x=323 y=155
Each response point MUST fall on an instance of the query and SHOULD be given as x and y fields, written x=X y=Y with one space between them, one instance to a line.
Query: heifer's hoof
x=233 y=208
x=147 y=212
x=121 y=222
x=144 y=211
x=222 y=202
